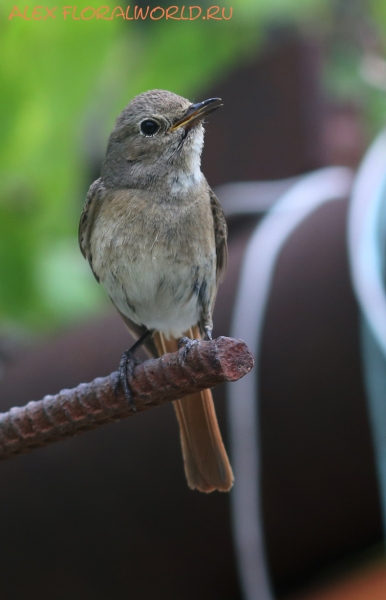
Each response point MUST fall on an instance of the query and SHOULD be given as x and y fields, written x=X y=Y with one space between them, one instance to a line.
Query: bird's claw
x=126 y=367
x=208 y=334
x=185 y=345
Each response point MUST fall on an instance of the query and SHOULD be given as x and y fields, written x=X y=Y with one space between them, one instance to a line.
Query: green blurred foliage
x=62 y=83
x=357 y=36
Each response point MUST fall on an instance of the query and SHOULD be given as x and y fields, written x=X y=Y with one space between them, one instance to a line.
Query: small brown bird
x=155 y=236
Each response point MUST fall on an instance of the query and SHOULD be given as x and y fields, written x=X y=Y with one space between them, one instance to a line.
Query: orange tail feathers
x=207 y=466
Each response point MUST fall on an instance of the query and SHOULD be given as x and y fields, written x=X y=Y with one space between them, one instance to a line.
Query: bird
x=155 y=237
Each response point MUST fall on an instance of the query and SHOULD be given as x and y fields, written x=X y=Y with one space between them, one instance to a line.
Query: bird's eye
x=149 y=127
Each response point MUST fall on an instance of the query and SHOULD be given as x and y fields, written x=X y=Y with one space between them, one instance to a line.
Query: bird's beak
x=196 y=112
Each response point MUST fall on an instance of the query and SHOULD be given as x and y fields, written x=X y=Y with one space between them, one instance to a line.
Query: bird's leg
x=126 y=367
x=186 y=344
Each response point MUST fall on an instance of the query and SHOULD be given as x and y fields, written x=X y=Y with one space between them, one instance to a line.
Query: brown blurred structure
x=276 y=123
x=275 y=98
x=367 y=583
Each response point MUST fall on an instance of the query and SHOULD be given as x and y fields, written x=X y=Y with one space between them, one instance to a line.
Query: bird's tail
x=207 y=466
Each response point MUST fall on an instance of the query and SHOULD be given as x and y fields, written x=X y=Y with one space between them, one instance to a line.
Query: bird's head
x=156 y=134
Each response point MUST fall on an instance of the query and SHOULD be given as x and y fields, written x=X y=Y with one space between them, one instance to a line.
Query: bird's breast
x=156 y=259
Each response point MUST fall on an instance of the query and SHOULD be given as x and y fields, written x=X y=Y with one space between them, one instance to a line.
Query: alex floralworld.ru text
x=131 y=13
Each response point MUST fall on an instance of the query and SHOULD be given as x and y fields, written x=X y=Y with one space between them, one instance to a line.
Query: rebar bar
x=89 y=405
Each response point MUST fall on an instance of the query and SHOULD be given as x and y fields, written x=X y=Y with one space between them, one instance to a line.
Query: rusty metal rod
x=90 y=405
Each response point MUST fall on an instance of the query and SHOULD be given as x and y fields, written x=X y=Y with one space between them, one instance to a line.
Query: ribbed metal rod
x=90 y=405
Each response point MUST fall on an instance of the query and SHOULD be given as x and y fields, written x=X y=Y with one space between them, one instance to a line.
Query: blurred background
x=108 y=515
x=65 y=81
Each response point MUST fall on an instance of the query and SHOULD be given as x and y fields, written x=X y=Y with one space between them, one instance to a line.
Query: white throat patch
x=182 y=181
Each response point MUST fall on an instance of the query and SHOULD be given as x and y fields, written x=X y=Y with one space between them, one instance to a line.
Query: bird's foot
x=126 y=368
x=208 y=334
x=185 y=345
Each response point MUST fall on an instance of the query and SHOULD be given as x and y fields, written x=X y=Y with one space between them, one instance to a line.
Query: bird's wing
x=91 y=208
x=220 y=235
